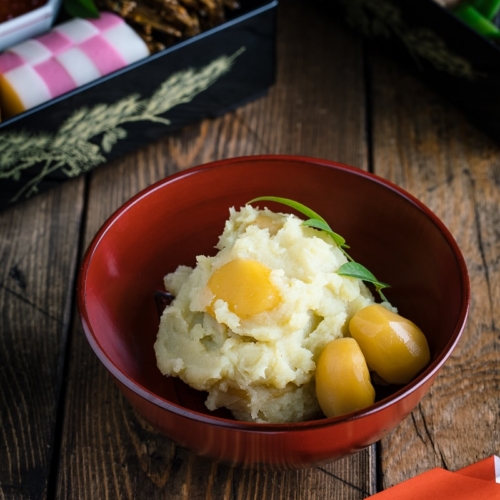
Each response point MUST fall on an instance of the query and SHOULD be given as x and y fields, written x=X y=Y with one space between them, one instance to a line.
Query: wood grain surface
x=136 y=458
x=424 y=145
x=67 y=433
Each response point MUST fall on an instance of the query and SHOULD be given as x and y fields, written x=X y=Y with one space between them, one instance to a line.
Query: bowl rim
x=421 y=380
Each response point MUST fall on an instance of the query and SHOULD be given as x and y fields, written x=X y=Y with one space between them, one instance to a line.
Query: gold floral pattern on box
x=81 y=142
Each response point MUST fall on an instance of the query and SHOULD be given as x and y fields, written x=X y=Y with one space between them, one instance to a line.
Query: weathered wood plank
x=38 y=248
x=318 y=107
x=315 y=109
x=426 y=146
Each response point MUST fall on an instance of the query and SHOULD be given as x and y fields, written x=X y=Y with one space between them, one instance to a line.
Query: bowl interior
x=181 y=217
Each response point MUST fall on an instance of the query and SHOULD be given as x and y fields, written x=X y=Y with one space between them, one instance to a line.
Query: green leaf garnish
x=323 y=226
x=351 y=268
x=315 y=220
x=81 y=8
x=293 y=204
x=356 y=270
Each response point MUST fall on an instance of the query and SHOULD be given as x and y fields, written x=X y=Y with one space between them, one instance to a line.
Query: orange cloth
x=476 y=482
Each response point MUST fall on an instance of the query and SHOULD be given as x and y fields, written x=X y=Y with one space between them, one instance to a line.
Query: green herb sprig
x=480 y=16
x=352 y=269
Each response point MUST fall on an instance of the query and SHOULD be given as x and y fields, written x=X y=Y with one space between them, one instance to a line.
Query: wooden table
x=67 y=433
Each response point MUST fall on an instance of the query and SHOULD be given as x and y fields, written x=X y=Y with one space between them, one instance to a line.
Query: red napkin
x=480 y=481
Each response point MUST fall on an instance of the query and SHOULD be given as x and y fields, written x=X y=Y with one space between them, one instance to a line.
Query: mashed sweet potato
x=256 y=354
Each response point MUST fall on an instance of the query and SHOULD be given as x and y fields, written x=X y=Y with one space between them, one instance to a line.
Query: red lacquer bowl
x=399 y=239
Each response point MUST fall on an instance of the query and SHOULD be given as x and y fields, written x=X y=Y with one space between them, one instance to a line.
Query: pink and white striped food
x=72 y=54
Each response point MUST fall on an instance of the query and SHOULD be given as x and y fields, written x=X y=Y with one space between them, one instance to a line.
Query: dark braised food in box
x=163 y=22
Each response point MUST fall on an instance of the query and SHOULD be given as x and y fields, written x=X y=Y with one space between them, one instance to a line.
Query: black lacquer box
x=459 y=63
x=204 y=76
